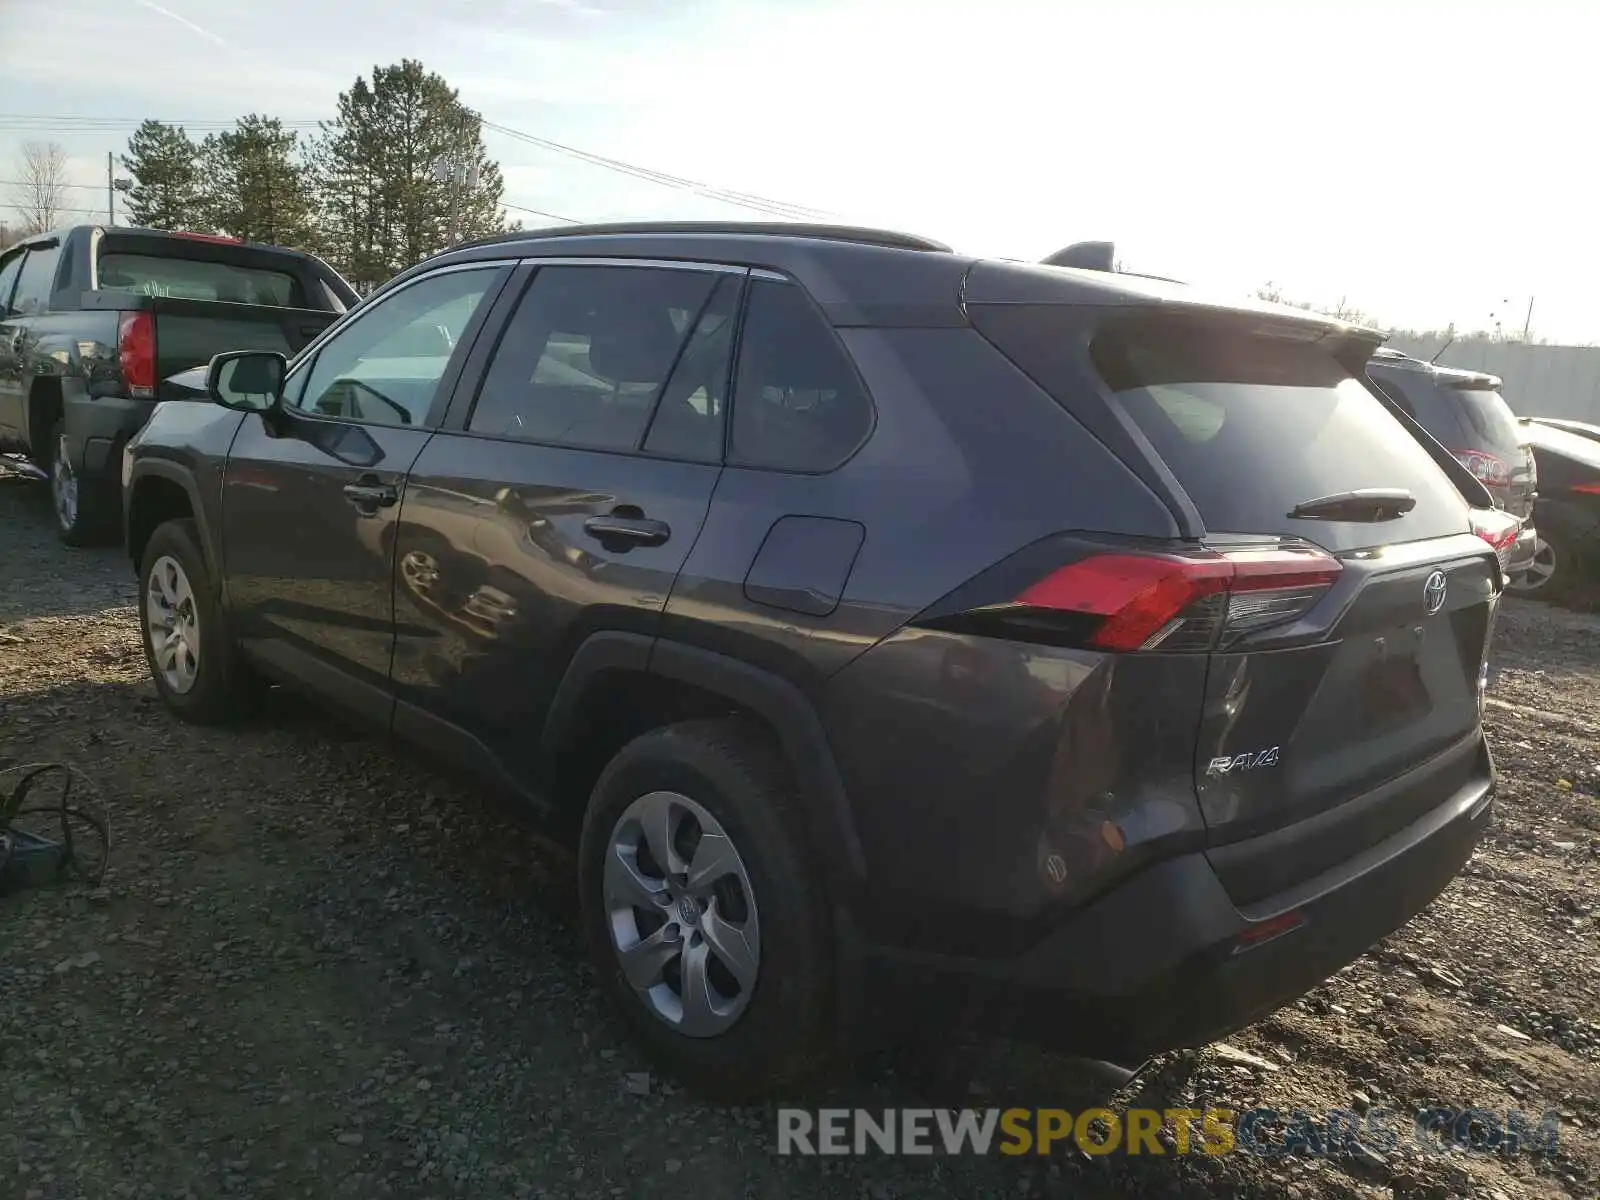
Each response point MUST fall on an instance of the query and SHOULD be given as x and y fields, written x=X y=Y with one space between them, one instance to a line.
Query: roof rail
x=831 y=233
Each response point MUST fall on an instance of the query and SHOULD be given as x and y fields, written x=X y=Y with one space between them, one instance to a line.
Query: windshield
x=197 y=279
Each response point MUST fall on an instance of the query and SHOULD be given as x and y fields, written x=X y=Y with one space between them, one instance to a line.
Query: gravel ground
x=316 y=968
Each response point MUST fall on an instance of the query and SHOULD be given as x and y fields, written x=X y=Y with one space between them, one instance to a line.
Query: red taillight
x=1182 y=602
x=1498 y=528
x=136 y=351
x=1485 y=467
x=1588 y=489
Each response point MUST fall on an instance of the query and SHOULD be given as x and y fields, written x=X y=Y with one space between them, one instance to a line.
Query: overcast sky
x=1426 y=162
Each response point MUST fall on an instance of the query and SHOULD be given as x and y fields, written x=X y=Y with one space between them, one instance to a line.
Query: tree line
x=397 y=174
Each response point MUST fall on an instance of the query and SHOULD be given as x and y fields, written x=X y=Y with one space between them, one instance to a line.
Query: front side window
x=10 y=266
x=588 y=352
x=798 y=404
x=37 y=280
x=385 y=367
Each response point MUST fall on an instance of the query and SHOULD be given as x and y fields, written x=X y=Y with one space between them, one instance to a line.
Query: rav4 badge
x=1249 y=761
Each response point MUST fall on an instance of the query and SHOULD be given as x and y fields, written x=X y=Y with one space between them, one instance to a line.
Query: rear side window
x=1253 y=426
x=587 y=352
x=1490 y=417
x=1394 y=391
x=197 y=279
x=798 y=404
x=1429 y=402
x=692 y=407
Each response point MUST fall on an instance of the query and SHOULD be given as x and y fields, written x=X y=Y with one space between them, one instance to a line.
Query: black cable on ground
x=26 y=858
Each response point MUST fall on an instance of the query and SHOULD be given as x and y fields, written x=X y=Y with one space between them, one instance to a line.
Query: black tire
x=787 y=1031
x=92 y=516
x=223 y=688
x=1576 y=582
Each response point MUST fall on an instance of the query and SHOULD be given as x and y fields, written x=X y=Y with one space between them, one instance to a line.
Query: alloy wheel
x=419 y=570
x=173 y=624
x=682 y=914
x=1539 y=571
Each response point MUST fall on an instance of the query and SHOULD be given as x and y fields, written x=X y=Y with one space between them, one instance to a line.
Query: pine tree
x=255 y=184
x=164 y=166
x=402 y=173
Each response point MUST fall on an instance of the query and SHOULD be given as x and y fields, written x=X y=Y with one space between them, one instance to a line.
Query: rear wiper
x=1363 y=504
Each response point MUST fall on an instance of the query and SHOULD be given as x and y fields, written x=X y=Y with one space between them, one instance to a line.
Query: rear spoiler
x=1086 y=256
x=1474 y=383
x=1095 y=256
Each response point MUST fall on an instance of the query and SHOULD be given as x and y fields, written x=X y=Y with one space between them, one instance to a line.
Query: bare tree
x=40 y=194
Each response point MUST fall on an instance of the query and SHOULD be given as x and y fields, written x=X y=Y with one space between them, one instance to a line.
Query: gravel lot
x=318 y=969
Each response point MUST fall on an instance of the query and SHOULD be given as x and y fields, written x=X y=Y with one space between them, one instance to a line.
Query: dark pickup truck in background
x=94 y=322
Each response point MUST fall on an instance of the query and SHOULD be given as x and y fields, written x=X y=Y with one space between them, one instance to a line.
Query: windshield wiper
x=1363 y=504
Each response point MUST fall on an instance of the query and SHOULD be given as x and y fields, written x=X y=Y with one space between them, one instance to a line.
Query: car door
x=563 y=496
x=13 y=331
x=310 y=494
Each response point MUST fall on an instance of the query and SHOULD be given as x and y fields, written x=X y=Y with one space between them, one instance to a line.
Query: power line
x=540 y=213
x=750 y=200
x=95 y=187
x=725 y=195
x=91 y=211
x=62 y=123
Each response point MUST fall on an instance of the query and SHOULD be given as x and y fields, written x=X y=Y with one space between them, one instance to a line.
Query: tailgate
x=189 y=332
x=1381 y=678
x=1318 y=698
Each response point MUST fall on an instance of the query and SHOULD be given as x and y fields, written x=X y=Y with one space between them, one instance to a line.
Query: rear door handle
x=639 y=531
x=369 y=495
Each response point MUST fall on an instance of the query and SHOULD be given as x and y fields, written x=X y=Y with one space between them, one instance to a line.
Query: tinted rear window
x=1490 y=417
x=197 y=279
x=1254 y=426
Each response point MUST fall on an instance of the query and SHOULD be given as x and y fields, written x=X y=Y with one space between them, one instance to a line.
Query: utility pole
x=1527 y=321
x=458 y=177
x=111 y=191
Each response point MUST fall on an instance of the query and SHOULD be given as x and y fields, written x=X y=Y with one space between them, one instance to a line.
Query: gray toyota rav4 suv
x=902 y=636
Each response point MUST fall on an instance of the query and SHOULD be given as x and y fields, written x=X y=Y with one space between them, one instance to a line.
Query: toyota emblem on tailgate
x=1433 y=592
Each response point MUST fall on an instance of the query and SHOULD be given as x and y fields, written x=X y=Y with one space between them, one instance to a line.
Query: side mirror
x=247 y=380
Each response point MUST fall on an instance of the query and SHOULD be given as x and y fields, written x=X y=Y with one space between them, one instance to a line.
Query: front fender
x=138 y=496
x=186 y=444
